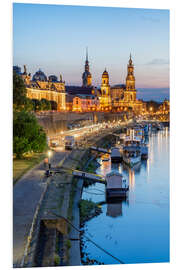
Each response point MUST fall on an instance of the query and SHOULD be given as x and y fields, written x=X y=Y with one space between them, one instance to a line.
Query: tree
x=53 y=105
x=29 y=106
x=28 y=135
x=19 y=92
x=36 y=105
x=45 y=104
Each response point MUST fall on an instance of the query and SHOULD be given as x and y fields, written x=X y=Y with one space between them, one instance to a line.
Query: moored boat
x=132 y=151
x=116 y=185
x=116 y=155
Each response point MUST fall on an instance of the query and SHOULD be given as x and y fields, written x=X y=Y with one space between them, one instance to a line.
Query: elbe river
x=135 y=230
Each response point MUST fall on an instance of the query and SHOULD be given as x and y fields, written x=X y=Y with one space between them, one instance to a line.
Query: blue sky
x=54 y=38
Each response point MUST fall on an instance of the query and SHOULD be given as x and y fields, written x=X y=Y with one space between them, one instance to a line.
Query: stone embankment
x=52 y=239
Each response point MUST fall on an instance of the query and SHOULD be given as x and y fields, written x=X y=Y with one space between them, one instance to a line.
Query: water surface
x=135 y=230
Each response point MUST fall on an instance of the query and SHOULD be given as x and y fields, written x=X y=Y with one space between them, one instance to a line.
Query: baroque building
x=124 y=96
x=130 y=93
x=42 y=88
x=84 y=98
x=105 y=98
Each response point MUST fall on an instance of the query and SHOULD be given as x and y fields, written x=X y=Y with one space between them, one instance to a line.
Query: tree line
x=28 y=135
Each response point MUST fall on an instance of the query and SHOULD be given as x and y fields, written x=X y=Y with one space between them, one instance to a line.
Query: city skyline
x=65 y=35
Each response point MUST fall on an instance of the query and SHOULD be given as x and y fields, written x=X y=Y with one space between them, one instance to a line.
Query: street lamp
x=49 y=156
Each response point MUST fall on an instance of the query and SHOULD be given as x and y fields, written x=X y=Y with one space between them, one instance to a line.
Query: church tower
x=130 y=92
x=105 y=100
x=86 y=77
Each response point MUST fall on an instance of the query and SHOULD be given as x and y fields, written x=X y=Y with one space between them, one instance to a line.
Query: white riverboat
x=132 y=151
x=116 y=185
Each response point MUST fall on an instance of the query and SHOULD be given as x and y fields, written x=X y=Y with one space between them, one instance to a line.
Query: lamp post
x=49 y=156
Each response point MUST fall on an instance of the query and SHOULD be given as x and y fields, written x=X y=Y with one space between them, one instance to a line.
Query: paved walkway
x=75 y=254
x=26 y=195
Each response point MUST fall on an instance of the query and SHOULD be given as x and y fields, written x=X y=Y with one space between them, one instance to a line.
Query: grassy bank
x=21 y=166
x=88 y=209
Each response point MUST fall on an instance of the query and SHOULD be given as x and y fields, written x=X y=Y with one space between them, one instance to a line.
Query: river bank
x=59 y=203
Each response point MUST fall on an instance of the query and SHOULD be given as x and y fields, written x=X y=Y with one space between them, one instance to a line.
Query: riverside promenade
x=26 y=195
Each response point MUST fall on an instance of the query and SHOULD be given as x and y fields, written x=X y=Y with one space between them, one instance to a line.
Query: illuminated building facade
x=85 y=103
x=105 y=98
x=126 y=100
x=86 y=97
x=42 y=88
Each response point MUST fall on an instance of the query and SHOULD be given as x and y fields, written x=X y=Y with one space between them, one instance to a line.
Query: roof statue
x=25 y=70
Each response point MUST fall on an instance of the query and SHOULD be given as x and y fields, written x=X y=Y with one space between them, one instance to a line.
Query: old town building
x=42 y=88
x=165 y=107
x=86 y=76
x=85 y=103
x=105 y=98
x=121 y=97
x=117 y=94
x=83 y=98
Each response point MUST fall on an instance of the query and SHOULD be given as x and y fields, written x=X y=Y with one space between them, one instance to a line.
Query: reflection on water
x=135 y=230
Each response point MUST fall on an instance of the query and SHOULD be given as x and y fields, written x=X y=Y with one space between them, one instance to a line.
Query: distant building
x=84 y=98
x=85 y=103
x=105 y=98
x=165 y=107
x=86 y=76
x=117 y=94
x=41 y=88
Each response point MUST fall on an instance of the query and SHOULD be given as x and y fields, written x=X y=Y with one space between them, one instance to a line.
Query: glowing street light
x=49 y=156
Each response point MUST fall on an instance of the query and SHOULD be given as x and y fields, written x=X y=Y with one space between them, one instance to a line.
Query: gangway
x=90 y=176
x=84 y=175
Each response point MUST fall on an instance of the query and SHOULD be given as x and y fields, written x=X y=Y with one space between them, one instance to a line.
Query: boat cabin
x=116 y=185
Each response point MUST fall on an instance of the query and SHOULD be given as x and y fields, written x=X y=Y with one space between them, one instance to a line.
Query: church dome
x=39 y=76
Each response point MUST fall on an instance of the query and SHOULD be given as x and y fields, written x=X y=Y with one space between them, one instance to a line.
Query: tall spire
x=86 y=53
x=130 y=60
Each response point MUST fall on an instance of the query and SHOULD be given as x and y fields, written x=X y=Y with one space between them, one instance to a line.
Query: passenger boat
x=132 y=151
x=116 y=185
x=116 y=156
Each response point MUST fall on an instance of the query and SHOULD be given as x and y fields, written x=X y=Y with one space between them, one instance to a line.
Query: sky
x=54 y=38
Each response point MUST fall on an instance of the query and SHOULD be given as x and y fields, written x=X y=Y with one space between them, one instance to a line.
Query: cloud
x=158 y=61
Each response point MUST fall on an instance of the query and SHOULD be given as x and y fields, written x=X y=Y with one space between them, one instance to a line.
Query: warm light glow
x=49 y=153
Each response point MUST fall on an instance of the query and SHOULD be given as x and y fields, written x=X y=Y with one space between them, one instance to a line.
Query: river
x=135 y=230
